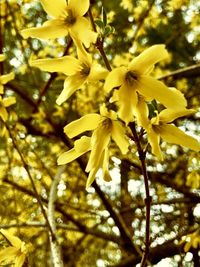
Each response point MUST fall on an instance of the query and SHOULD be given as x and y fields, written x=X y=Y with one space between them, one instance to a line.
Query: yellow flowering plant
x=122 y=116
x=134 y=88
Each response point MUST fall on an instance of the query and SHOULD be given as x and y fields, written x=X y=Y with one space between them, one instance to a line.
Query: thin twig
x=26 y=167
x=148 y=199
x=190 y=71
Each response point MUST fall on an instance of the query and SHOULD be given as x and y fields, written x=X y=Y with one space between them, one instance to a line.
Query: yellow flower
x=135 y=79
x=67 y=18
x=78 y=70
x=160 y=127
x=105 y=126
x=6 y=102
x=16 y=253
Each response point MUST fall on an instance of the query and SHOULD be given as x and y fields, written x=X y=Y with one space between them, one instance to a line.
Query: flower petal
x=180 y=96
x=107 y=113
x=99 y=141
x=91 y=177
x=54 y=10
x=169 y=115
x=68 y=156
x=14 y=241
x=81 y=30
x=81 y=146
x=172 y=134
x=8 y=253
x=105 y=172
x=96 y=167
x=97 y=73
x=141 y=112
x=144 y=62
x=86 y=123
x=118 y=135
x=83 y=55
x=67 y=64
x=8 y=101
x=153 y=89
x=71 y=84
x=115 y=78
x=7 y=77
x=154 y=141
x=1 y=88
x=51 y=29
x=3 y=113
x=127 y=101
x=104 y=161
x=114 y=97
x=19 y=261
x=80 y=7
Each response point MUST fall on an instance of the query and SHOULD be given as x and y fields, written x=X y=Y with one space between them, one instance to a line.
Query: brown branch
x=148 y=199
x=191 y=71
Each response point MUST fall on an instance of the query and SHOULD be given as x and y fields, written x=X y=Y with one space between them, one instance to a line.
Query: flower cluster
x=131 y=86
x=105 y=126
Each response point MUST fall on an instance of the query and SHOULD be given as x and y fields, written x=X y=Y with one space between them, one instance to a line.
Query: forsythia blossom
x=67 y=18
x=16 y=253
x=160 y=127
x=134 y=79
x=78 y=70
x=105 y=126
